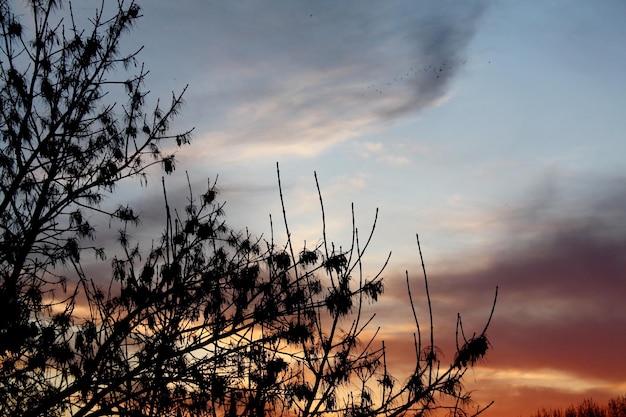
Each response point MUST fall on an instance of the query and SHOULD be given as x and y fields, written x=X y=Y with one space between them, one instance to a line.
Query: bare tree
x=206 y=321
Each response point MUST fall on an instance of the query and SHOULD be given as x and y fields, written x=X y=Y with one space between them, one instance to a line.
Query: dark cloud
x=562 y=288
x=562 y=302
x=439 y=42
x=558 y=330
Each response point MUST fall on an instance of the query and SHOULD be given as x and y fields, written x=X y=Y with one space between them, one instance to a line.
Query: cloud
x=524 y=394
x=380 y=152
x=301 y=77
x=367 y=149
x=562 y=281
x=439 y=41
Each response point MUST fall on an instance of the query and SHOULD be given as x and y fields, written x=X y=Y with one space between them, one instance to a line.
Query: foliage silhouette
x=207 y=321
x=616 y=407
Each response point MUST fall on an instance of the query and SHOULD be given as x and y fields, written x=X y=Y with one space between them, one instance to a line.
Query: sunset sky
x=495 y=130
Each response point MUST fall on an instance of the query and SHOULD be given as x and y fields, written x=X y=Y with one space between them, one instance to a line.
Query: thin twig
x=319 y=193
x=493 y=307
x=417 y=323
x=282 y=203
x=430 y=308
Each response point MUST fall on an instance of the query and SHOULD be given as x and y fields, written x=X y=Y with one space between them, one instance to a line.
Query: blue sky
x=494 y=129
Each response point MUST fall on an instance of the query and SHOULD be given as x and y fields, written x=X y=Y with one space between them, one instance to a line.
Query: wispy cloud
x=300 y=77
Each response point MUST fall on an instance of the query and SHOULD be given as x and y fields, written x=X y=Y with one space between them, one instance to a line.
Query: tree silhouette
x=616 y=407
x=207 y=321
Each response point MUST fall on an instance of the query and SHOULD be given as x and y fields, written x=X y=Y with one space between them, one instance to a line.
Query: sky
x=493 y=129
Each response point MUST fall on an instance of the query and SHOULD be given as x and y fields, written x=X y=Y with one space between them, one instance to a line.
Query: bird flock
x=414 y=75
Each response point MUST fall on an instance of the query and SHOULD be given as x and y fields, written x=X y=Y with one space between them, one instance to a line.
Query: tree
x=63 y=147
x=207 y=320
x=616 y=407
